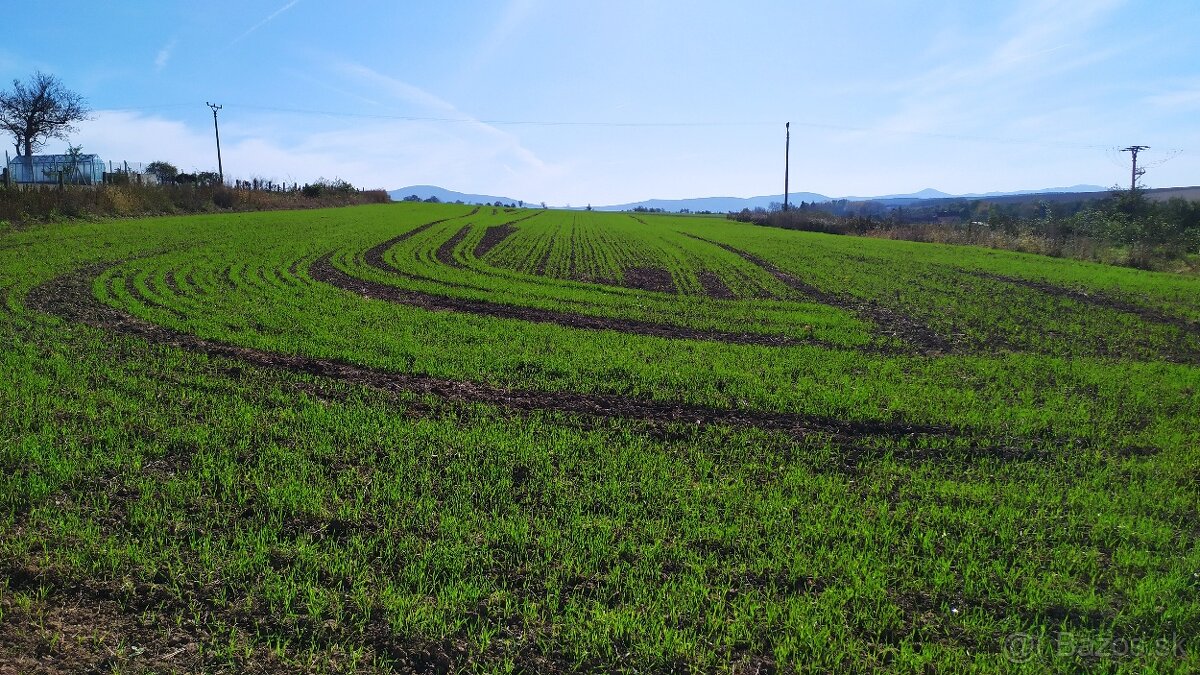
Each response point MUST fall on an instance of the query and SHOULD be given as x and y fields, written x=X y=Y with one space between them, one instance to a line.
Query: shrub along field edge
x=22 y=204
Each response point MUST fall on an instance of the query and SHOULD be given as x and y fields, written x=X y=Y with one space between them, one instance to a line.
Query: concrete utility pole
x=787 y=156
x=217 y=130
x=1135 y=174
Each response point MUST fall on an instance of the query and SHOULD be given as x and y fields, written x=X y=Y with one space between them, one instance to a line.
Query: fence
x=73 y=170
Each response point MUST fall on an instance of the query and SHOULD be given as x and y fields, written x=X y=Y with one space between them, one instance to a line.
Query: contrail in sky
x=264 y=22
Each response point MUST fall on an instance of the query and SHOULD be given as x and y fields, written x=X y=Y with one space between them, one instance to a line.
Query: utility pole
x=217 y=130
x=787 y=158
x=1135 y=174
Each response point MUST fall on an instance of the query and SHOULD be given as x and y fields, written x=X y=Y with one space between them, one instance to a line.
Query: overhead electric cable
x=657 y=124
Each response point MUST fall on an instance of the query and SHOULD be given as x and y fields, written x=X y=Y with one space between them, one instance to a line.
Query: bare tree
x=38 y=110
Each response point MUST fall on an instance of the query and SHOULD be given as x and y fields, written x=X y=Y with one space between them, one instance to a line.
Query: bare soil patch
x=492 y=237
x=714 y=287
x=74 y=633
x=649 y=279
x=105 y=625
x=445 y=252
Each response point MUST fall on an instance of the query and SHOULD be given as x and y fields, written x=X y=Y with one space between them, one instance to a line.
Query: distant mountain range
x=930 y=193
x=443 y=195
x=725 y=204
x=717 y=204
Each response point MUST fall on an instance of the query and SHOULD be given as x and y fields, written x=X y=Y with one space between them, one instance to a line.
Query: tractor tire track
x=325 y=272
x=1096 y=299
x=445 y=252
x=492 y=237
x=70 y=298
x=888 y=321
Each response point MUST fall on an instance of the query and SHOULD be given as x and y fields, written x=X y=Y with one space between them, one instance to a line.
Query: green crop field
x=434 y=438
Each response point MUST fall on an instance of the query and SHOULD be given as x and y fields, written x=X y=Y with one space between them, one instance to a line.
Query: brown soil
x=714 y=287
x=906 y=329
x=445 y=252
x=649 y=279
x=492 y=237
x=102 y=626
x=75 y=633
x=71 y=299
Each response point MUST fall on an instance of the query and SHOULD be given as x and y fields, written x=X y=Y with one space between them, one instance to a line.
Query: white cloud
x=119 y=136
x=443 y=145
x=374 y=154
x=986 y=84
x=164 y=55
x=1181 y=99
x=393 y=153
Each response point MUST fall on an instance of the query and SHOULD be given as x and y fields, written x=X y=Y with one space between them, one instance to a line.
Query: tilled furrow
x=70 y=298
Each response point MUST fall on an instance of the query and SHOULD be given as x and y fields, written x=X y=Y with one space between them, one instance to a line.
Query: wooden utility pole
x=217 y=130
x=787 y=153
x=1135 y=174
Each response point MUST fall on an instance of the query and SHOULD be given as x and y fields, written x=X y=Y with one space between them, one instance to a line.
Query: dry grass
x=1075 y=247
x=46 y=204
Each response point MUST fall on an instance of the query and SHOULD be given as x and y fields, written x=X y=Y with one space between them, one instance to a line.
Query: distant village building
x=56 y=169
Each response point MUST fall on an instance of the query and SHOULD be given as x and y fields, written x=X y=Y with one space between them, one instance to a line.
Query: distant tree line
x=497 y=204
x=417 y=199
x=1125 y=228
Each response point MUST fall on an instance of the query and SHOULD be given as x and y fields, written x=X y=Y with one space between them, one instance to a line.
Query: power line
x=741 y=123
x=1171 y=154
x=159 y=106
x=655 y=124
x=500 y=122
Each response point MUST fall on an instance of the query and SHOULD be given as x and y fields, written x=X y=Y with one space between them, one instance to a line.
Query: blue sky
x=605 y=102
